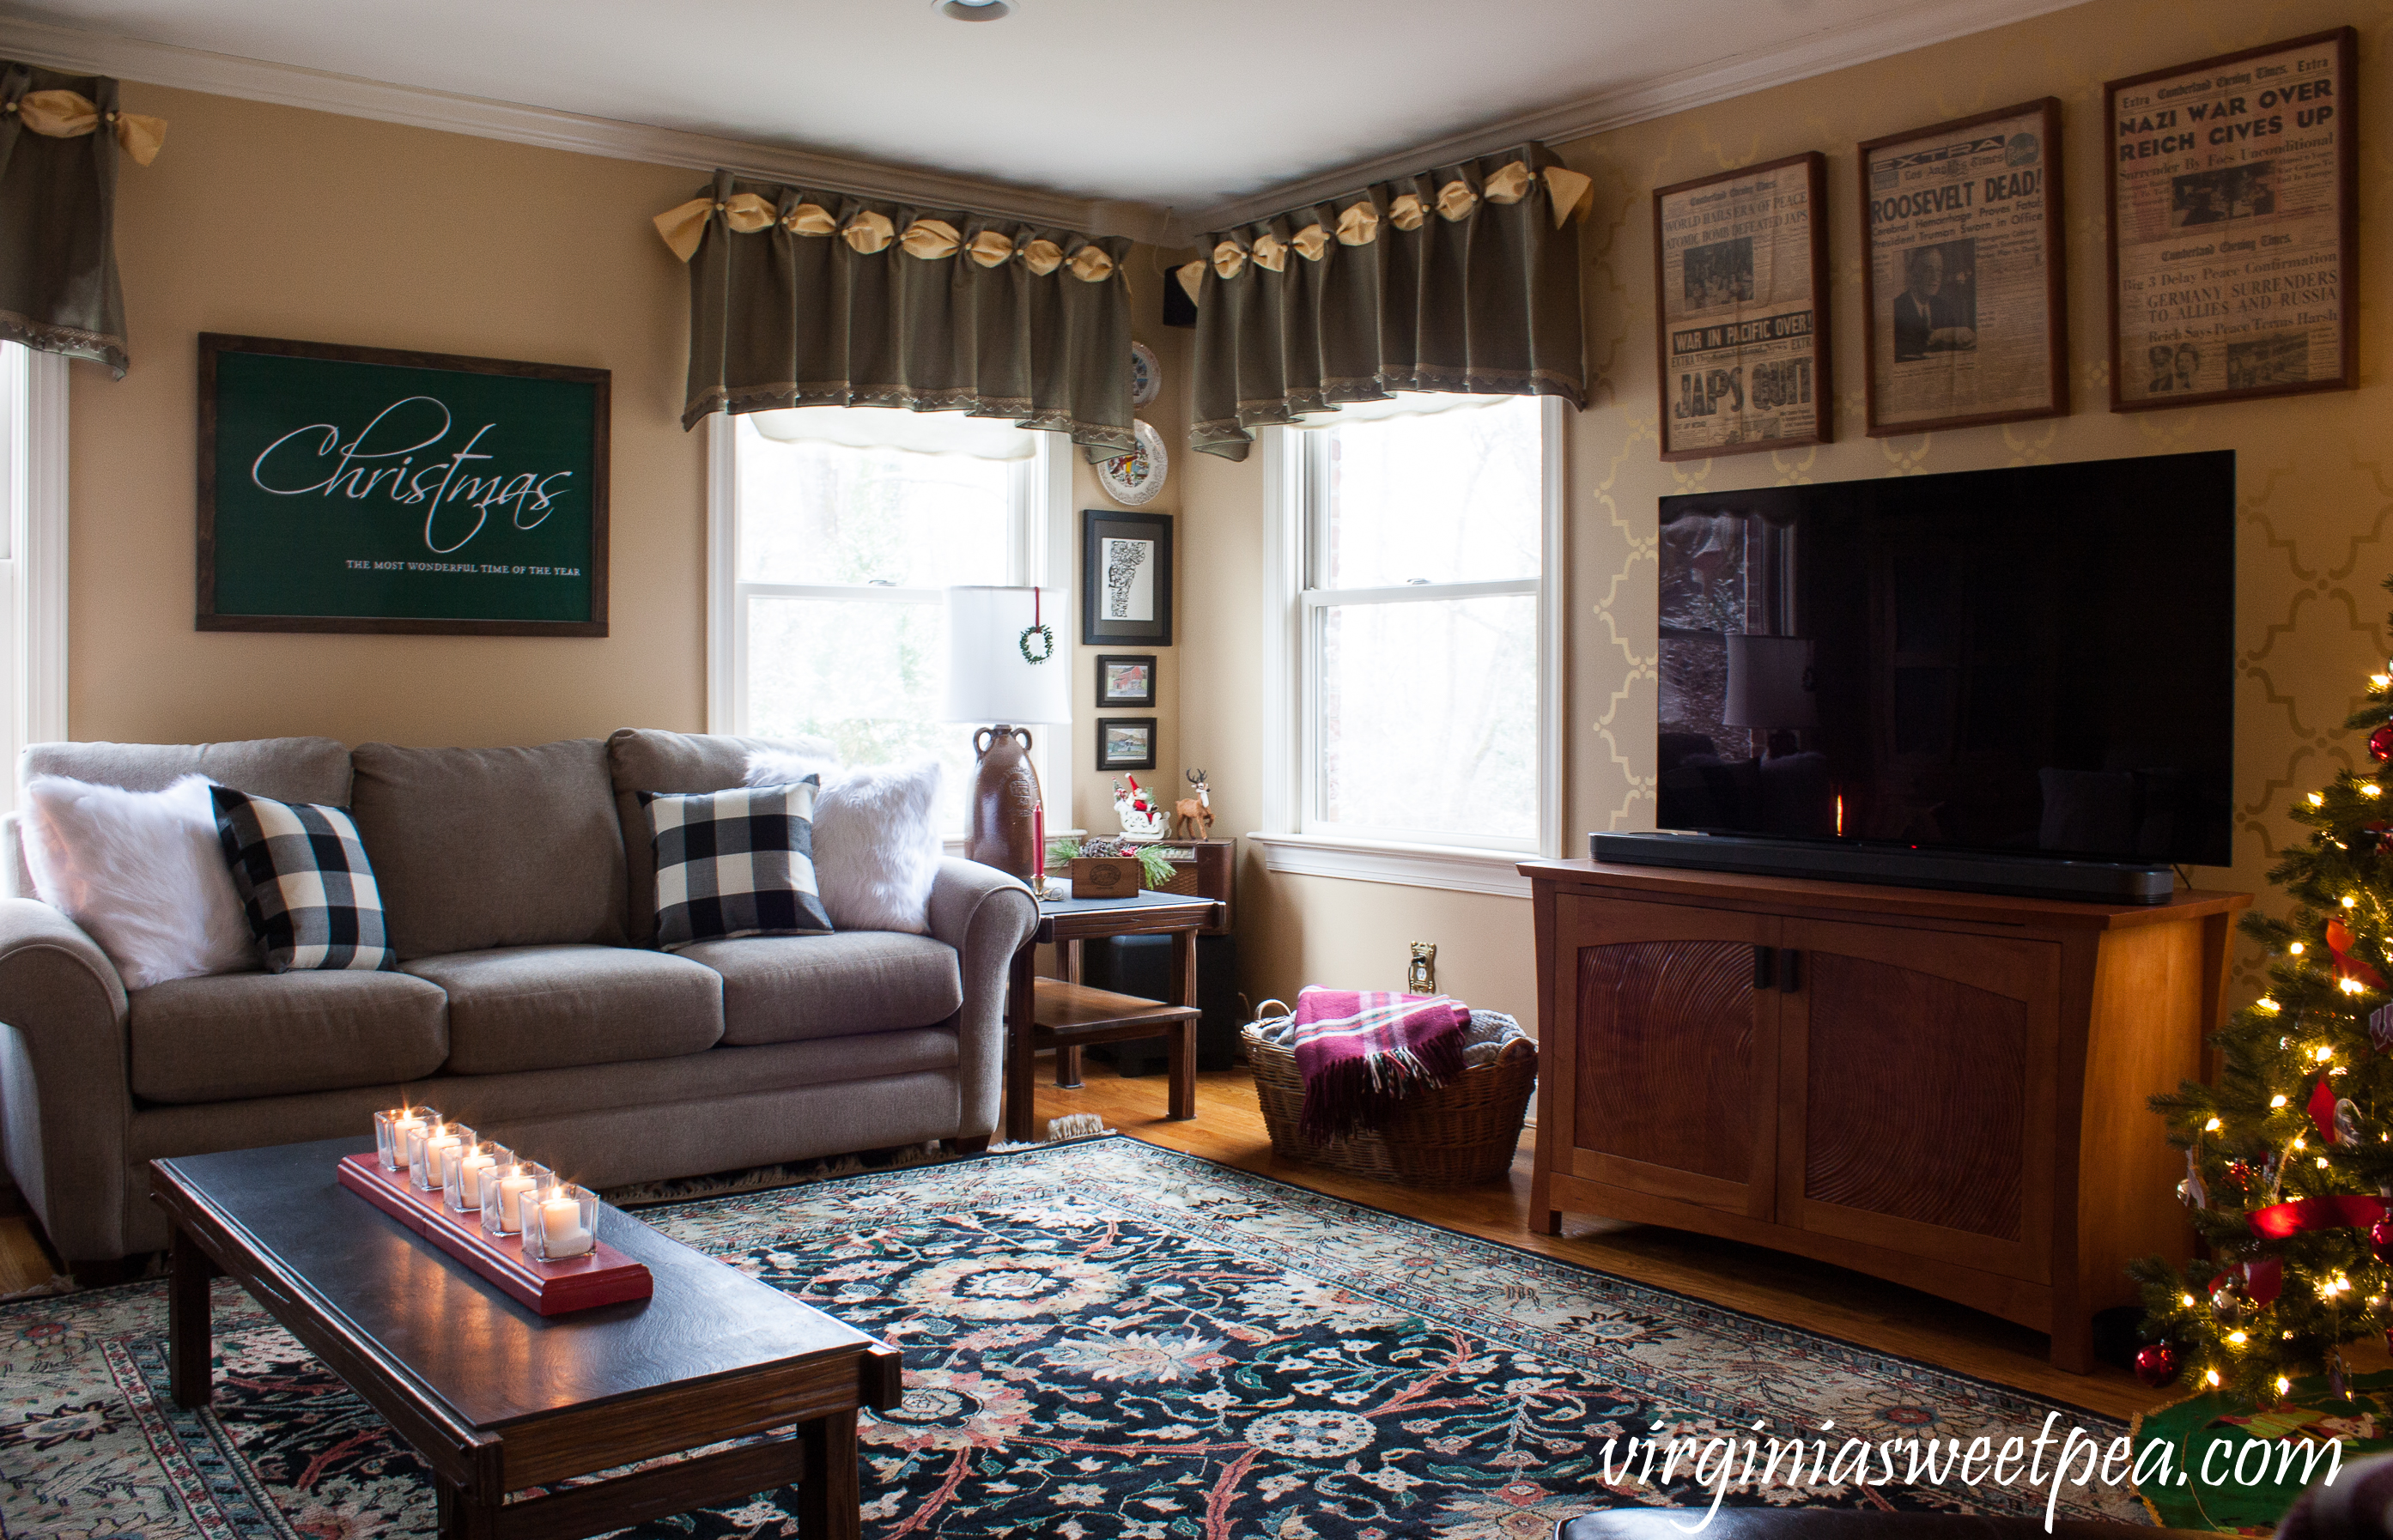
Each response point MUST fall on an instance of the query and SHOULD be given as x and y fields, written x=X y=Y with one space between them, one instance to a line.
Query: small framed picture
x=1125 y=743
x=1126 y=679
x=1125 y=578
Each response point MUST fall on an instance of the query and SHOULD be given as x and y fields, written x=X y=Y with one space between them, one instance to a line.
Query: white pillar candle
x=512 y=1187
x=470 y=1172
x=402 y=1123
x=560 y=1225
x=437 y=1151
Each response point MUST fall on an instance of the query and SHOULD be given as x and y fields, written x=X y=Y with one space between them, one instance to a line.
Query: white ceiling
x=1192 y=104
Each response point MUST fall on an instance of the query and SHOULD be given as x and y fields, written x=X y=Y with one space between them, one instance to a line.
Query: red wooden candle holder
x=604 y=1277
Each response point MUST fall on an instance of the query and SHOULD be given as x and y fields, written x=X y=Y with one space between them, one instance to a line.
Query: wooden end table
x=1039 y=1016
x=495 y=1398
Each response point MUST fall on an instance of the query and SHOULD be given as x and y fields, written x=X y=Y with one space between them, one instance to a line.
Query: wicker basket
x=1461 y=1135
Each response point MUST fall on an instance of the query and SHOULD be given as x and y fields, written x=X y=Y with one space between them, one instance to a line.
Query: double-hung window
x=840 y=531
x=32 y=555
x=1420 y=538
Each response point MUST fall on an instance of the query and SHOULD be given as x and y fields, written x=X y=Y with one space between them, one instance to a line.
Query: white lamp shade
x=1769 y=683
x=988 y=678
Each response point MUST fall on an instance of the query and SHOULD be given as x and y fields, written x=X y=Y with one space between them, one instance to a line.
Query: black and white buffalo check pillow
x=304 y=883
x=736 y=863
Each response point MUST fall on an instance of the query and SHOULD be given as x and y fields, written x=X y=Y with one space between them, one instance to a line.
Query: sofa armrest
x=986 y=916
x=65 y=1103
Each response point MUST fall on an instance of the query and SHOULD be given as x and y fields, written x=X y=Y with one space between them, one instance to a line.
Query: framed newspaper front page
x=1964 y=291
x=2235 y=226
x=1741 y=266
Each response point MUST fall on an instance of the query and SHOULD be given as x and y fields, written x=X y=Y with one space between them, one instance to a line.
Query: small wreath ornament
x=1046 y=634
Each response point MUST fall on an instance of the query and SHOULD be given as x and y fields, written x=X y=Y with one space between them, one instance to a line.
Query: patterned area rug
x=1102 y=1340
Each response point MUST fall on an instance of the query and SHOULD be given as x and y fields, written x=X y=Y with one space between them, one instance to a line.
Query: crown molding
x=75 y=51
x=1742 y=75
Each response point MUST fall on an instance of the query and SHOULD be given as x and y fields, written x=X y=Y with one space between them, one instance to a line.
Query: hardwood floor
x=1229 y=1128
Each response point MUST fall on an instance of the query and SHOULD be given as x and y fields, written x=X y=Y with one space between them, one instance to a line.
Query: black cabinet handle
x=1790 y=975
x=1762 y=956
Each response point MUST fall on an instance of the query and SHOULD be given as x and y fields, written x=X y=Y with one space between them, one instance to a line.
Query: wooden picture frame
x=468 y=497
x=1126 y=743
x=2211 y=242
x=1741 y=322
x=1977 y=199
x=1125 y=577
x=1111 y=666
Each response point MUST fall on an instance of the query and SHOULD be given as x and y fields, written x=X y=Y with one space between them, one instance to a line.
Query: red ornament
x=2239 y=1173
x=2156 y=1366
x=2380 y=743
x=2339 y=941
x=2321 y=1108
x=2380 y=1239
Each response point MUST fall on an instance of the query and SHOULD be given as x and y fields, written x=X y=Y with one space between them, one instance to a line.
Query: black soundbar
x=1897 y=865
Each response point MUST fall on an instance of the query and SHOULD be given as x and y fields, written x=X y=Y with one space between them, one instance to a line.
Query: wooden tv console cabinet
x=1942 y=1089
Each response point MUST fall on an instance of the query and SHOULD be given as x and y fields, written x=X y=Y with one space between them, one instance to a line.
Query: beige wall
x=275 y=222
x=270 y=221
x=2314 y=488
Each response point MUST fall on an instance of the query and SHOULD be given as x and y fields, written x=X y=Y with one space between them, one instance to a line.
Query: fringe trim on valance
x=66 y=341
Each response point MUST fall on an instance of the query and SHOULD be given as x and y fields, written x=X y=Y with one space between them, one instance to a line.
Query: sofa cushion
x=646 y=759
x=287 y=769
x=493 y=847
x=778 y=989
x=235 y=1036
x=306 y=886
x=554 y=1007
x=735 y=862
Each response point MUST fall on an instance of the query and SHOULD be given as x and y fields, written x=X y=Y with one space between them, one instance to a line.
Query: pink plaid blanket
x=1361 y=1051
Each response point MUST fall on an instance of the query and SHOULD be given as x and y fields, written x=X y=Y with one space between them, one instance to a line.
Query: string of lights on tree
x=2289 y=1157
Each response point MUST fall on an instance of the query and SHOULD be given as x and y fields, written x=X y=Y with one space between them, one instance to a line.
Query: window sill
x=1449 y=866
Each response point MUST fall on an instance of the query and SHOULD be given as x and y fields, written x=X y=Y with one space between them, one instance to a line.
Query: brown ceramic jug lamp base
x=1004 y=807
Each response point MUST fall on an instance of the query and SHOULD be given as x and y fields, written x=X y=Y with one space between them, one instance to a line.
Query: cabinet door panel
x=1918 y=1092
x=1673 y=1080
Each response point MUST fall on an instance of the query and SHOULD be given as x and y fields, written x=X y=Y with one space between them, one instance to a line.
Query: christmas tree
x=2289 y=1158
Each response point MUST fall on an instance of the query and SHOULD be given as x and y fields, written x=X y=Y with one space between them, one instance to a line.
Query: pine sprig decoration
x=2303 y=1109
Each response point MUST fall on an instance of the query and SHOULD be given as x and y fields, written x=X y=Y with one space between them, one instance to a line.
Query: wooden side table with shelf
x=1068 y=1015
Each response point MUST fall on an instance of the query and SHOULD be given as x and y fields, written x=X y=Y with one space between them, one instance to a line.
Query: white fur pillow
x=876 y=837
x=143 y=872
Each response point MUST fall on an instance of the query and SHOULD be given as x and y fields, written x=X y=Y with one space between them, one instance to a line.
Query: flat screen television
x=2033 y=661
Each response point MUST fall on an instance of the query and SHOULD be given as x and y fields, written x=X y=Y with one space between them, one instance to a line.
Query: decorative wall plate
x=1145 y=374
x=1134 y=478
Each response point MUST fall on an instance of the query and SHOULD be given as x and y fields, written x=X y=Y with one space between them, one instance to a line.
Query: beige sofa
x=518 y=888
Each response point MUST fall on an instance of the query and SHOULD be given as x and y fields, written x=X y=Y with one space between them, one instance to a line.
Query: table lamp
x=1005 y=668
x=1771 y=686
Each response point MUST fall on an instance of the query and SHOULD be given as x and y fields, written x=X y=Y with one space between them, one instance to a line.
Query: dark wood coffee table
x=496 y=1399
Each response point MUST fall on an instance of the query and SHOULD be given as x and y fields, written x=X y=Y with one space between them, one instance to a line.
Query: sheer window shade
x=1463 y=278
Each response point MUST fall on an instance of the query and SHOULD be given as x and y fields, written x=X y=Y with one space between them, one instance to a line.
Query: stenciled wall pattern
x=2315 y=472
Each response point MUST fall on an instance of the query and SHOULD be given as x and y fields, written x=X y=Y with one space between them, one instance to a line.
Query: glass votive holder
x=429 y=1150
x=391 y=1129
x=475 y=1169
x=562 y=1223
x=514 y=1188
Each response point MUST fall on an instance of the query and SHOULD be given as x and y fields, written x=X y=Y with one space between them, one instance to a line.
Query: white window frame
x=1042 y=554
x=1290 y=756
x=32 y=557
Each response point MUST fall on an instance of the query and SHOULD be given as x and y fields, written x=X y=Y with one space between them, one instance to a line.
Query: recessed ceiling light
x=972 y=11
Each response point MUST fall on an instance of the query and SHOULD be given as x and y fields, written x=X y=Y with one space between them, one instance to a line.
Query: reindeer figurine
x=1192 y=817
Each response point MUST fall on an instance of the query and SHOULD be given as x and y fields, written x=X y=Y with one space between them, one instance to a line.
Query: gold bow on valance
x=70 y=115
x=869 y=232
x=1569 y=194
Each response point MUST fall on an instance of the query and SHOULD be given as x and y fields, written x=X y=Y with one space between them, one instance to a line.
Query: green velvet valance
x=801 y=298
x=60 y=136
x=1463 y=278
